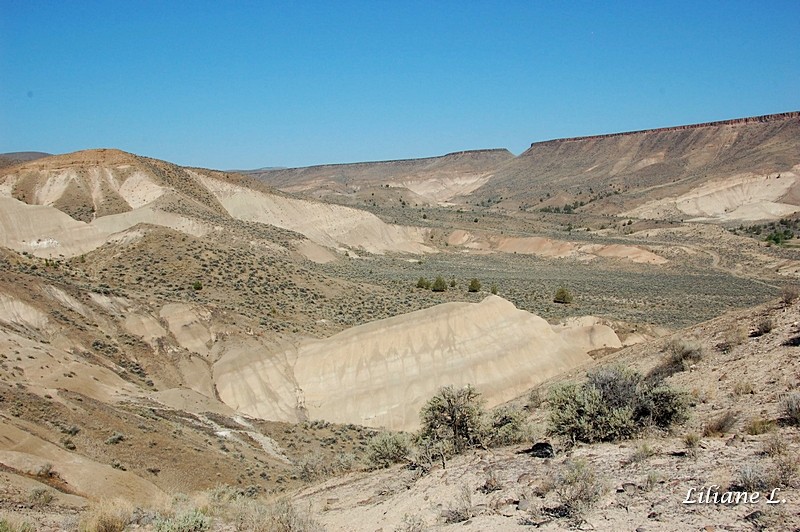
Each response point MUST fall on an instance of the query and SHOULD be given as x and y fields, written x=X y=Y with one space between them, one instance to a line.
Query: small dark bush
x=115 y=438
x=562 y=296
x=681 y=353
x=439 y=285
x=763 y=326
x=474 y=285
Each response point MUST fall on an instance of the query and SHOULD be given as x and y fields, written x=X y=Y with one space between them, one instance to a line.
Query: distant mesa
x=731 y=122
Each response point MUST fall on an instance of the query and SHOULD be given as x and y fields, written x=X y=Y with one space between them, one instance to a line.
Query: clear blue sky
x=292 y=83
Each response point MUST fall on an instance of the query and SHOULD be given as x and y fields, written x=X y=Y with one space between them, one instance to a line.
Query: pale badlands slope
x=117 y=193
x=381 y=373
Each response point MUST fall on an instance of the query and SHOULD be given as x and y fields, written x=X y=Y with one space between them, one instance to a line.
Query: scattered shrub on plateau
x=562 y=296
x=439 y=285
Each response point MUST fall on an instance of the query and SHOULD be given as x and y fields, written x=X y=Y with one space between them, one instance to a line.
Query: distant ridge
x=11 y=158
x=731 y=122
x=390 y=161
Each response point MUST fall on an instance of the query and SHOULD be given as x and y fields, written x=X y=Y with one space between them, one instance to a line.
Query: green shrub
x=474 y=285
x=506 y=427
x=115 y=438
x=453 y=415
x=613 y=404
x=493 y=289
x=423 y=283
x=439 y=285
x=312 y=467
x=197 y=285
x=387 y=448
x=562 y=296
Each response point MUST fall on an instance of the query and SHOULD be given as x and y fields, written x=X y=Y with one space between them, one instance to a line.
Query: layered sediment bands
x=381 y=373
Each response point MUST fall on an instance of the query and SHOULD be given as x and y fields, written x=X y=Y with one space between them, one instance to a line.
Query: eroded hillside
x=167 y=329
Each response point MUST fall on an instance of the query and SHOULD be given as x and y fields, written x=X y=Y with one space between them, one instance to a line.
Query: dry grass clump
x=756 y=476
x=789 y=294
x=784 y=470
x=13 y=523
x=752 y=476
x=774 y=445
x=462 y=510
x=732 y=337
x=681 y=353
x=411 y=523
x=763 y=326
x=579 y=489
x=790 y=406
x=107 y=516
x=743 y=387
x=759 y=425
x=253 y=515
x=230 y=506
x=720 y=425
x=642 y=453
x=40 y=497
x=692 y=442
